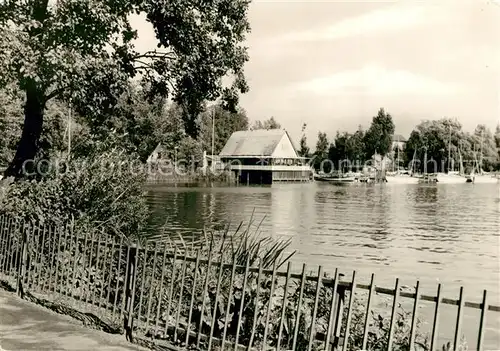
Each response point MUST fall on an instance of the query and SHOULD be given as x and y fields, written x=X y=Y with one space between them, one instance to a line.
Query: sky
x=333 y=64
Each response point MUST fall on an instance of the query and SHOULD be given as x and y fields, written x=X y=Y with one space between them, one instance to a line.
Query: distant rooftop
x=399 y=138
x=259 y=142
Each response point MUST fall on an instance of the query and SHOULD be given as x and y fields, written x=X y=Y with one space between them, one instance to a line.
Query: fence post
x=21 y=262
x=130 y=292
x=339 y=314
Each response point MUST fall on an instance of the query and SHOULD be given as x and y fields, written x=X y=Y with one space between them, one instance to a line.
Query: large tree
x=356 y=146
x=321 y=152
x=485 y=147
x=84 y=51
x=53 y=138
x=378 y=138
x=338 y=150
x=304 y=149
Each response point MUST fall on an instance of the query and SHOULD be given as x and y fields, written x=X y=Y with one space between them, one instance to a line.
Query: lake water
x=437 y=233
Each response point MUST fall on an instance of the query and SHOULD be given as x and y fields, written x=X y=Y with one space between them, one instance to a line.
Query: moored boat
x=427 y=178
x=335 y=179
x=482 y=179
x=450 y=178
x=478 y=176
x=401 y=178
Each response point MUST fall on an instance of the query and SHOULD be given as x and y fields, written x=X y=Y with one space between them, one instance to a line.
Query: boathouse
x=264 y=157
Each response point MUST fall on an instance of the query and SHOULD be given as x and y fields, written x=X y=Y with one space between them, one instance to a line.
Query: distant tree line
x=446 y=144
x=441 y=142
x=358 y=147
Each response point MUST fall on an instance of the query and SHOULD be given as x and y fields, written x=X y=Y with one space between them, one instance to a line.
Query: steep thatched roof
x=254 y=142
x=399 y=138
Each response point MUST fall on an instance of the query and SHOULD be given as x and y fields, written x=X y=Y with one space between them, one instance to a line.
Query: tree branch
x=145 y=65
x=157 y=55
x=55 y=93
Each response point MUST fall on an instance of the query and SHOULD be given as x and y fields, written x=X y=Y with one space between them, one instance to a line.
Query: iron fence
x=179 y=297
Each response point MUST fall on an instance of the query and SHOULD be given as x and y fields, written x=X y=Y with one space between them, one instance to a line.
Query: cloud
x=396 y=17
x=375 y=80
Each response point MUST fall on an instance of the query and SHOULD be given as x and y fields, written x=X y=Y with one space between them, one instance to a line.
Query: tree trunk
x=23 y=162
x=34 y=106
x=192 y=128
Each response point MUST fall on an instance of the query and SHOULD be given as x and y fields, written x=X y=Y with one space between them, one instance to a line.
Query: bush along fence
x=229 y=297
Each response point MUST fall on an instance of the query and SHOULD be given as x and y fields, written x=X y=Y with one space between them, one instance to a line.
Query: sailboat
x=403 y=177
x=484 y=178
x=451 y=177
x=426 y=177
x=481 y=177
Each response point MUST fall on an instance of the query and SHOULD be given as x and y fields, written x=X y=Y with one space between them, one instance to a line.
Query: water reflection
x=445 y=232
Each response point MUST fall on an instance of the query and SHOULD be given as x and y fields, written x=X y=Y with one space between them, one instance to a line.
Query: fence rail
x=181 y=297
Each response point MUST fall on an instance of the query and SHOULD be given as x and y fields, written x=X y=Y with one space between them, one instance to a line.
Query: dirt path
x=26 y=326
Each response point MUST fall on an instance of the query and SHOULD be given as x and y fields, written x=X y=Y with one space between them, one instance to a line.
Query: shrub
x=102 y=191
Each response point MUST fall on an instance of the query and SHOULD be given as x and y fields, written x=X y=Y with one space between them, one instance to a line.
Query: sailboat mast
x=413 y=161
x=398 y=155
x=425 y=161
x=69 y=129
x=476 y=163
x=461 y=169
x=481 y=155
x=449 y=149
x=213 y=139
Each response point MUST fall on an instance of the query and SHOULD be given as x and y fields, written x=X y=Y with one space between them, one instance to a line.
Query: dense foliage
x=267 y=124
x=321 y=152
x=303 y=148
x=137 y=127
x=10 y=125
x=103 y=191
x=221 y=123
x=378 y=138
x=53 y=139
x=84 y=51
x=347 y=146
x=444 y=142
x=351 y=150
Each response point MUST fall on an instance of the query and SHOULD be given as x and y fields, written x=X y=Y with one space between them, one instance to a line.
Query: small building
x=264 y=157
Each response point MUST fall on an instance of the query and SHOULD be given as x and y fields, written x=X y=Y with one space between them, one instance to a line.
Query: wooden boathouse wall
x=255 y=177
